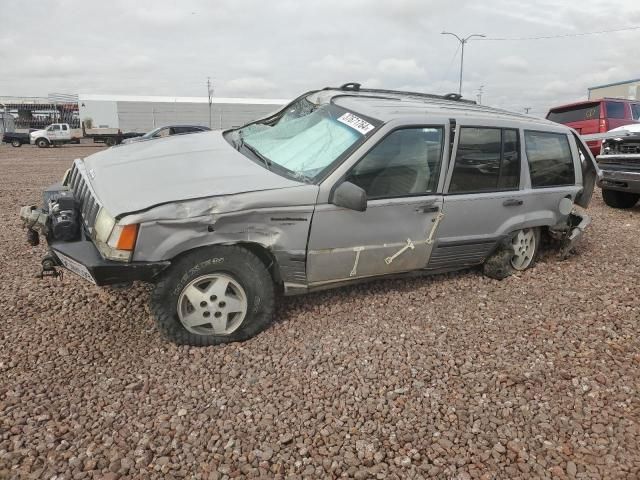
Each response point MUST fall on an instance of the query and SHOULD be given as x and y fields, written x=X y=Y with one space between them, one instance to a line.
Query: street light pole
x=463 y=41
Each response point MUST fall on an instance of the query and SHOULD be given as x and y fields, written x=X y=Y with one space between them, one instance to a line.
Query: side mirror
x=350 y=196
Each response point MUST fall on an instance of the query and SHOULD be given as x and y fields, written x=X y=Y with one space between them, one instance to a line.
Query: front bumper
x=619 y=178
x=83 y=258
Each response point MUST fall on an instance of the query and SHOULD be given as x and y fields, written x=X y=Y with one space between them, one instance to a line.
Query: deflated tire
x=214 y=295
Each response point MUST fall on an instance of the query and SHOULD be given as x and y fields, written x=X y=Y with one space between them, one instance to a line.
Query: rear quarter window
x=550 y=159
x=575 y=114
x=615 y=110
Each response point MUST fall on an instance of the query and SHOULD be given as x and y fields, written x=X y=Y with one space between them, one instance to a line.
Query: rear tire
x=246 y=283
x=617 y=199
x=16 y=143
x=518 y=252
x=42 y=143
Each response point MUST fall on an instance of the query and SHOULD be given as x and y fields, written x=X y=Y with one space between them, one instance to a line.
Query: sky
x=281 y=48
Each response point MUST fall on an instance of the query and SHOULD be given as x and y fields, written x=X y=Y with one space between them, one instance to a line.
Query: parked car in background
x=342 y=185
x=620 y=166
x=596 y=116
x=168 y=131
x=17 y=139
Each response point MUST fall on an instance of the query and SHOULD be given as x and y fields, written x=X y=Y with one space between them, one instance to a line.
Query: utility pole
x=463 y=41
x=479 y=95
x=210 y=94
x=4 y=112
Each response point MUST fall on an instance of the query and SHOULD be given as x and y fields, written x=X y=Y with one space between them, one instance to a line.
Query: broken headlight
x=114 y=241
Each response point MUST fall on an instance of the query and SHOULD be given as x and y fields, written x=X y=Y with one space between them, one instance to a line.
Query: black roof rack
x=356 y=87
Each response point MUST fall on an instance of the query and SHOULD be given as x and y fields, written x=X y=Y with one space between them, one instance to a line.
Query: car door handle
x=428 y=208
x=512 y=202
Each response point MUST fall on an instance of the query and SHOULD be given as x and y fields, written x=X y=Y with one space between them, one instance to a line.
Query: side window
x=55 y=128
x=64 y=127
x=550 y=159
x=487 y=159
x=405 y=162
x=615 y=110
x=635 y=111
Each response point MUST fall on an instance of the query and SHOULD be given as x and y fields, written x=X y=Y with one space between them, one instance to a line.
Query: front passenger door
x=400 y=177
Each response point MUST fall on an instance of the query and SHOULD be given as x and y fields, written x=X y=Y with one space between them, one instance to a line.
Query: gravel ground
x=452 y=376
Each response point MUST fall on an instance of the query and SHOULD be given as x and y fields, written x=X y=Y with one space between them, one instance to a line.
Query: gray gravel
x=453 y=376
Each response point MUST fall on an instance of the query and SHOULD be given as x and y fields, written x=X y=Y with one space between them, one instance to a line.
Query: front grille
x=82 y=192
x=629 y=148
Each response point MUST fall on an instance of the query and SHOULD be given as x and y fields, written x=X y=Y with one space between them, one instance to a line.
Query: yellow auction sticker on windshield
x=356 y=123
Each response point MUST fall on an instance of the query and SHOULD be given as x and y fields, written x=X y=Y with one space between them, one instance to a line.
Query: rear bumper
x=578 y=223
x=619 y=179
x=570 y=232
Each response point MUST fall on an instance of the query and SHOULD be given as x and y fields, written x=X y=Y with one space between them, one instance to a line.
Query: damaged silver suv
x=342 y=185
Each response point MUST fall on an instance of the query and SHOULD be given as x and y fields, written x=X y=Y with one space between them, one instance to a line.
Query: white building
x=143 y=113
x=629 y=89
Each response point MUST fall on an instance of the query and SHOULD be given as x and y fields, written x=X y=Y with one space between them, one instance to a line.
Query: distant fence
x=37 y=113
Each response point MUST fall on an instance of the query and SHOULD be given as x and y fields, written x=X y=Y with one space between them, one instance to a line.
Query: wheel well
x=266 y=257
x=42 y=138
x=263 y=254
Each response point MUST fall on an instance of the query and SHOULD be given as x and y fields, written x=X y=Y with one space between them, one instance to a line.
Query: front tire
x=214 y=295
x=617 y=199
x=42 y=143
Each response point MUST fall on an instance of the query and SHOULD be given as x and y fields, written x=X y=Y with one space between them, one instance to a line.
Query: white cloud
x=284 y=47
x=342 y=65
x=514 y=64
x=50 y=66
x=248 y=86
x=400 y=67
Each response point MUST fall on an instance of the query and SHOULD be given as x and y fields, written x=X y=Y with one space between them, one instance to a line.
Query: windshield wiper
x=264 y=159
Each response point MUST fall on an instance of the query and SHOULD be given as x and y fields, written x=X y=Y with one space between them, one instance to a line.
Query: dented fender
x=256 y=217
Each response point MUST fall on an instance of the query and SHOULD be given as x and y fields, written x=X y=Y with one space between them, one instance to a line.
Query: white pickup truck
x=61 y=133
x=54 y=134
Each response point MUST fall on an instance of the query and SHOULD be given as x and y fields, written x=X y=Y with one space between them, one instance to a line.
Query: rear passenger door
x=482 y=196
x=64 y=133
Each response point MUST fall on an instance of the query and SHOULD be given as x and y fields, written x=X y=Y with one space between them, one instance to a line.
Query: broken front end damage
x=255 y=220
x=570 y=232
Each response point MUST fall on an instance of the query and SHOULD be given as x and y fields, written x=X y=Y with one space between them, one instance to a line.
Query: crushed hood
x=137 y=176
x=633 y=128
